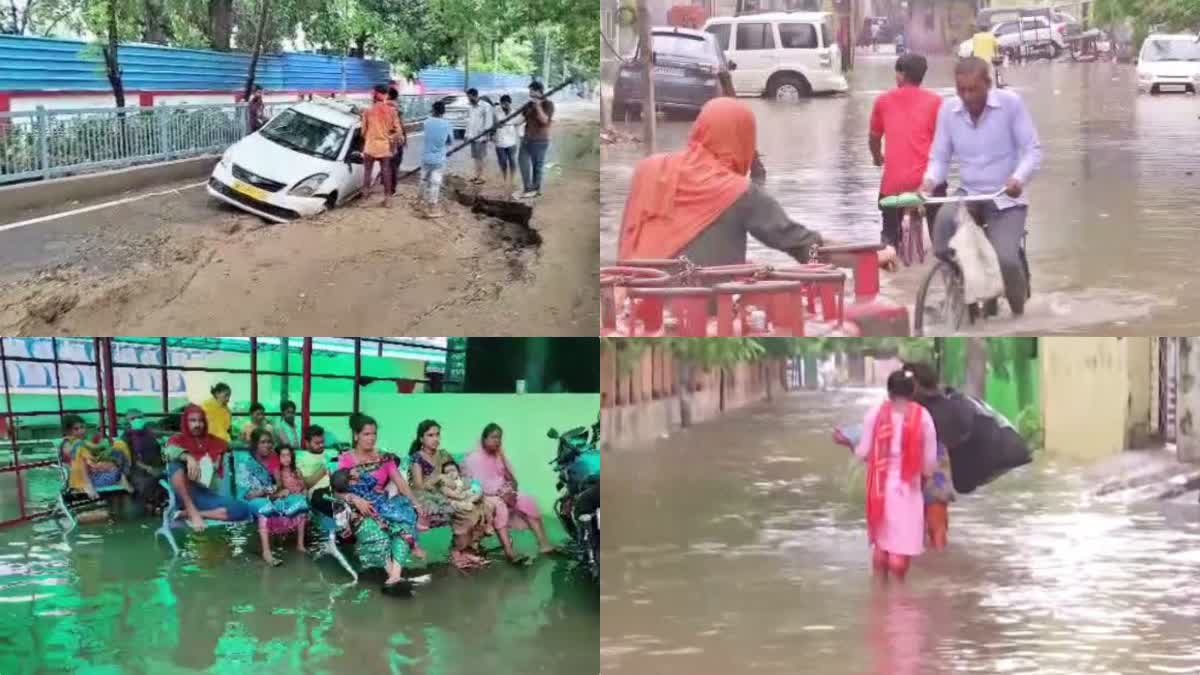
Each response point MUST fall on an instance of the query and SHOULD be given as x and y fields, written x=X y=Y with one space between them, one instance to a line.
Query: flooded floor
x=117 y=603
x=1112 y=226
x=741 y=548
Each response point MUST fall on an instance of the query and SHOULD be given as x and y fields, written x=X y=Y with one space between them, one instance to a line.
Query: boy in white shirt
x=508 y=137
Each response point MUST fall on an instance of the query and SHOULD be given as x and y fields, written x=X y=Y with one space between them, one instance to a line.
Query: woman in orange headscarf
x=699 y=202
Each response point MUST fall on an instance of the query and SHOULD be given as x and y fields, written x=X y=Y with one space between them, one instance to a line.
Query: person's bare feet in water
x=271 y=560
x=196 y=522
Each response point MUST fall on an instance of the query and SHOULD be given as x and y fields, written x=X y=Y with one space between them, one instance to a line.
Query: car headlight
x=1145 y=77
x=308 y=186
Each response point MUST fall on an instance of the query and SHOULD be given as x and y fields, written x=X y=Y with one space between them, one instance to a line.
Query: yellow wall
x=1095 y=394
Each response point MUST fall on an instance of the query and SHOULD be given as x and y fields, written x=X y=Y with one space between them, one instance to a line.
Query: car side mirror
x=355 y=157
x=732 y=66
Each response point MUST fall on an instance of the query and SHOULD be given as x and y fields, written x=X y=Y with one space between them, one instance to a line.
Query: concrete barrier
x=62 y=191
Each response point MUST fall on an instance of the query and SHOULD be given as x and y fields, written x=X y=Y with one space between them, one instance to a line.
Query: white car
x=782 y=55
x=306 y=160
x=1169 y=63
x=1034 y=30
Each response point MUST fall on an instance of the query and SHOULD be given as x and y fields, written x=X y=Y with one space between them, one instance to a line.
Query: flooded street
x=741 y=548
x=1112 y=224
x=118 y=603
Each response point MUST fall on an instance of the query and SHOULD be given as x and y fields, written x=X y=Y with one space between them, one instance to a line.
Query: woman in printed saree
x=513 y=510
x=196 y=462
x=94 y=462
x=386 y=533
x=899 y=445
x=428 y=458
x=279 y=510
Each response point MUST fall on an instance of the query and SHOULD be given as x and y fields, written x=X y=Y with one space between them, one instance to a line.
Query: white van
x=1169 y=63
x=782 y=55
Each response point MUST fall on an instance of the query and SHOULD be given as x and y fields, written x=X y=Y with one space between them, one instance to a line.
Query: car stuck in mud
x=305 y=160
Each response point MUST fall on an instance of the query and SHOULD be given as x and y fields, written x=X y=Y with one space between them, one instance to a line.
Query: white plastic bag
x=982 y=279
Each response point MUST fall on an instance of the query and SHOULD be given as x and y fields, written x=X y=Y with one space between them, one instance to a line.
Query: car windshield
x=1171 y=50
x=689 y=48
x=309 y=135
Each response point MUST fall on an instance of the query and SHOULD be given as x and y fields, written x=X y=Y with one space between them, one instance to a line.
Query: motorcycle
x=578 y=505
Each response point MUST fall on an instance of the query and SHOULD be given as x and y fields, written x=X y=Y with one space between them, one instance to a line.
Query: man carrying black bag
x=982 y=444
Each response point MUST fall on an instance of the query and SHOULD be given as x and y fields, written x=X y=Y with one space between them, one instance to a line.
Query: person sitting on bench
x=93 y=462
x=196 y=461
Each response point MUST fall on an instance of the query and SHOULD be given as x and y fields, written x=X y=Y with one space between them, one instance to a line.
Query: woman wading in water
x=899 y=445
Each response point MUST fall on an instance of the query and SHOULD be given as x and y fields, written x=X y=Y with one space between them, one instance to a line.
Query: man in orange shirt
x=380 y=129
x=907 y=118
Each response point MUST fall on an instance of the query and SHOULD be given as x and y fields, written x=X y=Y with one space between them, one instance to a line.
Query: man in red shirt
x=907 y=117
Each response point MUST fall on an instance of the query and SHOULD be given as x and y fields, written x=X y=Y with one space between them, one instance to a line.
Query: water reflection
x=1111 y=229
x=741 y=547
x=116 y=603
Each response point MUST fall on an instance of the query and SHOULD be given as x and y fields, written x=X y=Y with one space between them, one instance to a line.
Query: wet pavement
x=1112 y=225
x=741 y=548
x=117 y=603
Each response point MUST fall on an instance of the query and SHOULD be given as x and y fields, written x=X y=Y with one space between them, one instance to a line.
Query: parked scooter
x=578 y=503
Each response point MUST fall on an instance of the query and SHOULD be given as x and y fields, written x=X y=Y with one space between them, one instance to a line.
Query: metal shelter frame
x=106 y=405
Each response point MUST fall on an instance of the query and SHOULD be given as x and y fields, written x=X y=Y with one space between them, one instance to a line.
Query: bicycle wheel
x=940 y=307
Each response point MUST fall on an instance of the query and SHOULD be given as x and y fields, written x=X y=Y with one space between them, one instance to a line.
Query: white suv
x=782 y=55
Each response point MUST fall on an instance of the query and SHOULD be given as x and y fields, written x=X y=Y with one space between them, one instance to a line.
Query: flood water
x=1112 y=223
x=740 y=547
x=117 y=603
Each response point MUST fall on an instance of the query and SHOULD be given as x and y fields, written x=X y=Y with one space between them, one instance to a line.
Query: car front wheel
x=789 y=88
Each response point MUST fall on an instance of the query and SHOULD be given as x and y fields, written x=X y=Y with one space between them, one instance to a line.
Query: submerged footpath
x=1146 y=475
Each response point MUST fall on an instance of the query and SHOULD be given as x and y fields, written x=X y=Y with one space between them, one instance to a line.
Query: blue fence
x=50 y=64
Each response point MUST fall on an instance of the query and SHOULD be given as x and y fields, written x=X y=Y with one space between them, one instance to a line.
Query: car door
x=800 y=47
x=350 y=171
x=754 y=53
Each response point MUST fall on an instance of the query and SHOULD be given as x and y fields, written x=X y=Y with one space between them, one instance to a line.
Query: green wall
x=1013 y=379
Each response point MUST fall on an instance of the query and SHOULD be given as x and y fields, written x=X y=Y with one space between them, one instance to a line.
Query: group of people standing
x=284 y=476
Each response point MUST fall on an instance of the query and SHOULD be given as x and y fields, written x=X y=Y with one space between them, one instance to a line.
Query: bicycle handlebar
x=910 y=200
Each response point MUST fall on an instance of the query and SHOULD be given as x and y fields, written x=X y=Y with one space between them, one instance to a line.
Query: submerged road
x=1112 y=239
x=739 y=546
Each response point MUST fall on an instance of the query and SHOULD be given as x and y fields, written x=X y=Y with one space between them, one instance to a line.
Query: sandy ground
x=357 y=270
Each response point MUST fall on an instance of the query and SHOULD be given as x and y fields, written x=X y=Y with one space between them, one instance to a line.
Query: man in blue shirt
x=438 y=135
x=991 y=133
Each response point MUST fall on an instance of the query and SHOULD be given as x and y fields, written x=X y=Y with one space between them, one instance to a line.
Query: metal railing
x=43 y=144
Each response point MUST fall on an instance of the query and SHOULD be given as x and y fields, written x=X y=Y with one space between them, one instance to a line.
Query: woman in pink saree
x=514 y=510
x=899 y=445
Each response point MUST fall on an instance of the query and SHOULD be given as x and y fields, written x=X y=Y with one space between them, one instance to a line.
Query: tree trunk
x=977 y=363
x=112 y=66
x=646 y=47
x=264 y=8
x=359 y=49
x=220 y=24
x=467 y=66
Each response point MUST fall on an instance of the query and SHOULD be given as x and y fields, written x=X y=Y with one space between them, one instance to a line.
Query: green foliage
x=1181 y=15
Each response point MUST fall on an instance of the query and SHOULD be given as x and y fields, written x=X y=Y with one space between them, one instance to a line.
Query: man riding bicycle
x=992 y=135
x=906 y=119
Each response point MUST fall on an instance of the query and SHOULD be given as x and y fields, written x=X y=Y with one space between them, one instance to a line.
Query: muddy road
x=175 y=261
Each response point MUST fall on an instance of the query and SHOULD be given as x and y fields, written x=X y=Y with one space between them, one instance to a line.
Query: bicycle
x=911 y=247
x=944 y=315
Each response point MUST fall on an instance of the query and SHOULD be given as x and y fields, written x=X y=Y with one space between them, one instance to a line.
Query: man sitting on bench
x=196 y=461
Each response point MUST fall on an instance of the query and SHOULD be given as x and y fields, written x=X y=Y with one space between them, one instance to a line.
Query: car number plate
x=1172 y=87
x=249 y=191
x=663 y=70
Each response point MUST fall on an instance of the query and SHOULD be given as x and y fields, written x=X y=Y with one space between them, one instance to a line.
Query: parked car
x=1169 y=63
x=1047 y=33
x=688 y=65
x=782 y=55
x=307 y=159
